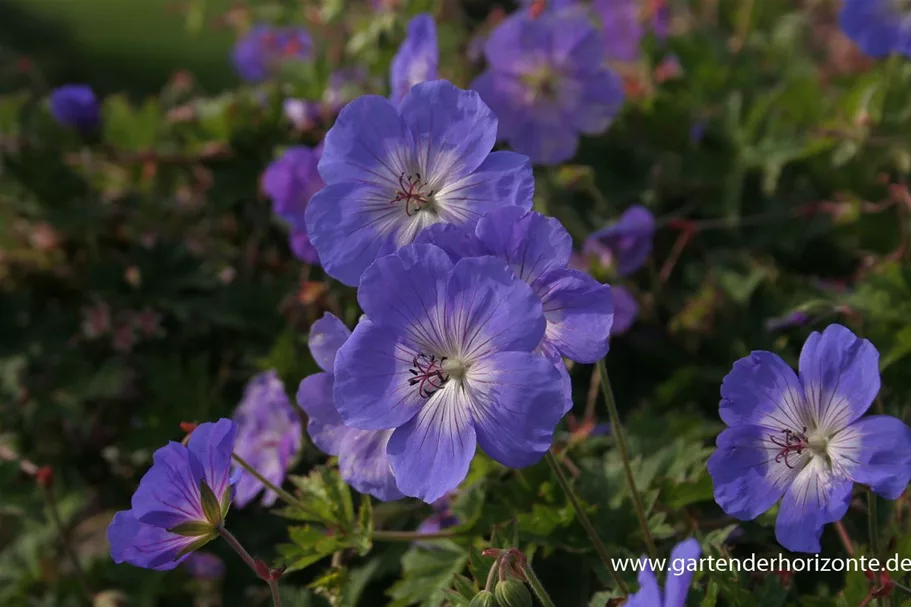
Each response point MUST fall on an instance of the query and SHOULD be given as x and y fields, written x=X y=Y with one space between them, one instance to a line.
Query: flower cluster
x=264 y=49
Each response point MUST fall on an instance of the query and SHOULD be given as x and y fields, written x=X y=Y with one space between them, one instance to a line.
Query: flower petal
x=504 y=180
x=579 y=312
x=530 y=243
x=579 y=42
x=677 y=585
x=369 y=143
x=324 y=425
x=840 y=375
x=417 y=57
x=211 y=446
x=406 y=291
x=516 y=400
x=453 y=130
x=455 y=240
x=351 y=225
x=649 y=594
x=626 y=309
x=144 y=545
x=762 y=389
x=489 y=308
x=430 y=454
x=815 y=498
x=168 y=494
x=599 y=102
x=365 y=466
x=546 y=141
x=748 y=481
x=372 y=374
x=878 y=448
x=326 y=336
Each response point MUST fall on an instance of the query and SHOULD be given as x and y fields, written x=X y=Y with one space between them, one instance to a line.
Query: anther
x=428 y=374
x=794 y=442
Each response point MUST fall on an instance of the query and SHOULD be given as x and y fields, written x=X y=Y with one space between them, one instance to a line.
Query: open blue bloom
x=547 y=83
x=625 y=244
x=445 y=357
x=180 y=503
x=268 y=436
x=204 y=566
x=261 y=52
x=803 y=437
x=681 y=567
x=879 y=27
x=75 y=106
x=416 y=60
x=390 y=173
x=361 y=453
x=290 y=181
x=626 y=309
x=578 y=308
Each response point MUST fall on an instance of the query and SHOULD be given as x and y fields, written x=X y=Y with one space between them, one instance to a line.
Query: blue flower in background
x=75 y=106
x=268 y=436
x=417 y=58
x=444 y=357
x=802 y=439
x=578 y=308
x=682 y=566
x=363 y=463
x=879 y=27
x=261 y=52
x=547 y=83
x=290 y=181
x=180 y=503
x=626 y=309
x=390 y=172
x=204 y=566
x=625 y=244
x=622 y=28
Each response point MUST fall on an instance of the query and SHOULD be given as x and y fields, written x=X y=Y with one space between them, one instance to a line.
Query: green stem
x=538 y=587
x=413 y=536
x=617 y=431
x=583 y=518
x=287 y=497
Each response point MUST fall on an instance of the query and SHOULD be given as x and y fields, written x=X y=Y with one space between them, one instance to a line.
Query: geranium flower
x=268 y=436
x=416 y=60
x=181 y=501
x=684 y=558
x=547 y=83
x=390 y=172
x=75 y=106
x=362 y=453
x=625 y=244
x=444 y=357
x=290 y=181
x=802 y=439
x=879 y=27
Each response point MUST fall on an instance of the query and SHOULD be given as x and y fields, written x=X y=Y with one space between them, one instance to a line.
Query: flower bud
x=483 y=599
x=512 y=593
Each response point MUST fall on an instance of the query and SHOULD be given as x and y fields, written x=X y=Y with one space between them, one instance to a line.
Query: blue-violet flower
x=75 y=106
x=682 y=565
x=625 y=244
x=261 y=52
x=290 y=181
x=417 y=58
x=879 y=27
x=803 y=438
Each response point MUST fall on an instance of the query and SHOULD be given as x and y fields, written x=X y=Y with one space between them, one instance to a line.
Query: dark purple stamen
x=794 y=442
x=428 y=374
x=410 y=192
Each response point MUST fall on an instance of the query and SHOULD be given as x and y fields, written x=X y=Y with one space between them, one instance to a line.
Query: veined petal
x=761 y=389
x=529 y=242
x=168 y=494
x=816 y=497
x=453 y=130
x=365 y=466
x=649 y=594
x=430 y=454
x=372 y=388
x=579 y=312
x=369 y=143
x=406 y=291
x=490 y=309
x=455 y=240
x=840 y=375
x=677 y=585
x=351 y=224
x=325 y=426
x=516 y=400
x=875 y=451
x=211 y=446
x=144 y=545
x=326 y=336
x=748 y=481
x=417 y=59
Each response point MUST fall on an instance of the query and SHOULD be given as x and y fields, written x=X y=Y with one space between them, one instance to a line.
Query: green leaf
x=426 y=573
x=211 y=507
x=192 y=529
